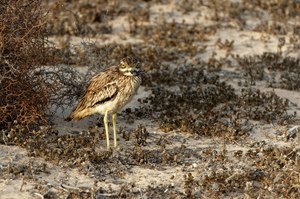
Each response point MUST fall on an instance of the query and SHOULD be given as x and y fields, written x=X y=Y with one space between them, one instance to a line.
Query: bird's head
x=130 y=66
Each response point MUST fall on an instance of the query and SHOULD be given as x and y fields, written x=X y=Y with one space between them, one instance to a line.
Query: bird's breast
x=127 y=87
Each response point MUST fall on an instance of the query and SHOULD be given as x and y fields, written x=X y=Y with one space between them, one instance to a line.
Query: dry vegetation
x=28 y=89
x=191 y=98
x=22 y=47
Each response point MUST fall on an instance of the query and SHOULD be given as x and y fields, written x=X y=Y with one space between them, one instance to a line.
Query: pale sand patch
x=246 y=43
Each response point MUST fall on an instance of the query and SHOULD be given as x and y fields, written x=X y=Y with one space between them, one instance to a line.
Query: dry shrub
x=82 y=18
x=23 y=48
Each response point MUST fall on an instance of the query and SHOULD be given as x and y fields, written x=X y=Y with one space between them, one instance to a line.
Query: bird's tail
x=77 y=115
x=68 y=119
x=72 y=116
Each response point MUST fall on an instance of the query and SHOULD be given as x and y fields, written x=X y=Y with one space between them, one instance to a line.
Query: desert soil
x=239 y=156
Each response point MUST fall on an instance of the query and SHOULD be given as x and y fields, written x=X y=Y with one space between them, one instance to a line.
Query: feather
x=101 y=89
x=108 y=91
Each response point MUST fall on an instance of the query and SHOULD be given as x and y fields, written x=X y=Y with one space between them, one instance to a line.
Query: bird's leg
x=114 y=119
x=106 y=128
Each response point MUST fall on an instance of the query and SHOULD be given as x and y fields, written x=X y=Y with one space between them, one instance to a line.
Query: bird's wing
x=98 y=91
x=102 y=95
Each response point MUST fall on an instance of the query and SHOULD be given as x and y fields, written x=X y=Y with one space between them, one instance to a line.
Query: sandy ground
x=62 y=181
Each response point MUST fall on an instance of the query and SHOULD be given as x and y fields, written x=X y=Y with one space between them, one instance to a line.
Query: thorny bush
x=26 y=89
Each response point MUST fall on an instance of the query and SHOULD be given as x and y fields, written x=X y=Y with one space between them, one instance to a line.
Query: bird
x=108 y=92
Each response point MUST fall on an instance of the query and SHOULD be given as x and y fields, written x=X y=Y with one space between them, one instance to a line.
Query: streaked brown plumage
x=108 y=92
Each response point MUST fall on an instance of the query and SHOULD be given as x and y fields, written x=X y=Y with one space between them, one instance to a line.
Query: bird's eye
x=122 y=66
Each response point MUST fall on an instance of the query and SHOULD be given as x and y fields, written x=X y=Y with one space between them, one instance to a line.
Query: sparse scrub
x=27 y=87
x=267 y=66
x=23 y=48
x=204 y=124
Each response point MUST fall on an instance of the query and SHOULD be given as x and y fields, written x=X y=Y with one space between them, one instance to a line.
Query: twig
x=4 y=137
x=22 y=184
x=67 y=187
x=40 y=195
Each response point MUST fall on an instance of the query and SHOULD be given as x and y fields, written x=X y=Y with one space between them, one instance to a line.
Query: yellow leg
x=114 y=119
x=106 y=128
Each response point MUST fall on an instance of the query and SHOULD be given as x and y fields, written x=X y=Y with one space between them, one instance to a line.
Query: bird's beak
x=136 y=71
